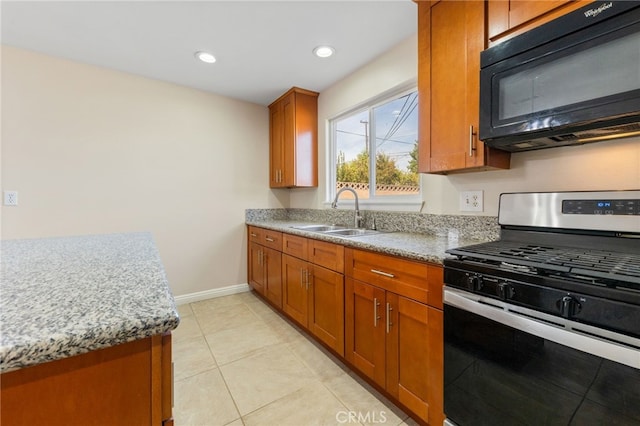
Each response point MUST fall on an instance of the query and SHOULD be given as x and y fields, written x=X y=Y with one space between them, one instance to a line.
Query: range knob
x=568 y=306
x=474 y=282
x=506 y=291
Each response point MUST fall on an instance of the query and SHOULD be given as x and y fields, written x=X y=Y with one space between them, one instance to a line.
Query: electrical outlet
x=10 y=198
x=471 y=201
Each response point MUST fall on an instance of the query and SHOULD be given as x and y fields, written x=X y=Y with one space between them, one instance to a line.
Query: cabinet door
x=456 y=41
x=365 y=329
x=326 y=310
x=295 y=300
x=408 y=371
x=451 y=37
x=273 y=274
x=276 y=145
x=289 y=139
x=256 y=267
x=294 y=139
x=508 y=18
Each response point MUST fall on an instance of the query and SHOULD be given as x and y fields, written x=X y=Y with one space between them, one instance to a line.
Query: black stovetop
x=605 y=267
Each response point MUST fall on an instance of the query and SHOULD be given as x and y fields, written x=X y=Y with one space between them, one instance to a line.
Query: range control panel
x=602 y=206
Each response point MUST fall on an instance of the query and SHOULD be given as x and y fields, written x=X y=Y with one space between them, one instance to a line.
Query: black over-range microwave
x=573 y=80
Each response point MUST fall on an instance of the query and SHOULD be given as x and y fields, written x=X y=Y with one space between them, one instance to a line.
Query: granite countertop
x=66 y=296
x=417 y=246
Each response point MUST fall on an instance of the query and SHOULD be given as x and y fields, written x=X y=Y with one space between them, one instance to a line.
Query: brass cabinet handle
x=389 y=309
x=471 y=134
x=384 y=274
x=375 y=311
x=269 y=239
x=253 y=235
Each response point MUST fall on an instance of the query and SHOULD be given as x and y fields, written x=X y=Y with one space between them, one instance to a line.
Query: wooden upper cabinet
x=451 y=35
x=293 y=140
x=508 y=18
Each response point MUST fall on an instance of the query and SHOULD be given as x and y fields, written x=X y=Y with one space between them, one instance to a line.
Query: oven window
x=497 y=375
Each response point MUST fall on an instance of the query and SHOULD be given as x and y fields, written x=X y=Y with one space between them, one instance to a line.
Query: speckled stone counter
x=66 y=296
x=417 y=246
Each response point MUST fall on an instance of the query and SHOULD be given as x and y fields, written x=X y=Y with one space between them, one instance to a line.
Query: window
x=375 y=150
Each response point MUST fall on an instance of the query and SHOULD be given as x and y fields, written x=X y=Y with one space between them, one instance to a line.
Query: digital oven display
x=596 y=207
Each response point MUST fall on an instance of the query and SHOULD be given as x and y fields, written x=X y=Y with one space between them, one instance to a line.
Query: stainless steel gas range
x=543 y=326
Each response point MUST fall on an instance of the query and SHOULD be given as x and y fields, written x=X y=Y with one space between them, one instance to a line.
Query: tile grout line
x=224 y=380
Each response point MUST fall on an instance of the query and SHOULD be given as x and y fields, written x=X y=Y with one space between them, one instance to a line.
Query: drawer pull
x=384 y=274
x=269 y=239
x=253 y=235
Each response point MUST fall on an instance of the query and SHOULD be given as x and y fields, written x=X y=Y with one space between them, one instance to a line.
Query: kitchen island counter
x=66 y=296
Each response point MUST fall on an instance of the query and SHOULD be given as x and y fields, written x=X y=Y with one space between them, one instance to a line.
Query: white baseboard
x=208 y=294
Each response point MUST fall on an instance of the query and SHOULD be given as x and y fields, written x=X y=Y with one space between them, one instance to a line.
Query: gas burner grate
x=590 y=263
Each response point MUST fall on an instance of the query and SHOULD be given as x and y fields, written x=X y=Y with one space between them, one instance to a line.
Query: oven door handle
x=617 y=347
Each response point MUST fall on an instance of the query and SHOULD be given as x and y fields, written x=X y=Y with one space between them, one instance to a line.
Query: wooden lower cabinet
x=396 y=342
x=257 y=275
x=326 y=307
x=313 y=296
x=127 y=384
x=365 y=329
x=381 y=313
x=295 y=301
x=265 y=272
x=414 y=356
x=273 y=262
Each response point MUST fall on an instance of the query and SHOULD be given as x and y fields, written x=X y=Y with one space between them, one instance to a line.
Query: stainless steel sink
x=336 y=230
x=320 y=228
x=351 y=232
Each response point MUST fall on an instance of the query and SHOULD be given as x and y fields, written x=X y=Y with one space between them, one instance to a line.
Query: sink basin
x=320 y=228
x=352 y=232
x=336 y=230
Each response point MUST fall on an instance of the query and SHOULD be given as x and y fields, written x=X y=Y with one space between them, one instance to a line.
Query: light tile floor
x=237 y=362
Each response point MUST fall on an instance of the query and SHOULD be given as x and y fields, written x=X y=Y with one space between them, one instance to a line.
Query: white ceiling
x=263 y=47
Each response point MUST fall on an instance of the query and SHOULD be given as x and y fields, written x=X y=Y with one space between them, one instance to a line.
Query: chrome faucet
x=358 y=218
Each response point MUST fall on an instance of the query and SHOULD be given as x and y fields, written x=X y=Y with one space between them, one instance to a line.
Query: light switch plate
x=10 y=198
x=471 y=201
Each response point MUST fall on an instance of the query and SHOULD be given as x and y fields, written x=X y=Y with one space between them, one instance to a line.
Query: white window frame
x=395 y=202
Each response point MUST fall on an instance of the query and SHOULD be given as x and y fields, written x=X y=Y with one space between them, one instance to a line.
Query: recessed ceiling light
x=323 y=51
x=205 y=57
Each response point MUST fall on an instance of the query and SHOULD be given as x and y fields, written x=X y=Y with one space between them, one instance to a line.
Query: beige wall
x=94 y=151
x=604 y=165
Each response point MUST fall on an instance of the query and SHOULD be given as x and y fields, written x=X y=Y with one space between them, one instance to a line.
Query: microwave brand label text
x=592 y=13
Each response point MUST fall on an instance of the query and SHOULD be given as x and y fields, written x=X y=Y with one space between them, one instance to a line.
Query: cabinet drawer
x=405 y=277
x=295 y=246
x=256 y=234
x=329 y=255
x=266 y=237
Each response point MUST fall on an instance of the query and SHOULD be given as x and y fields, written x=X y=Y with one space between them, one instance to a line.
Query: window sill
x=408 y=205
